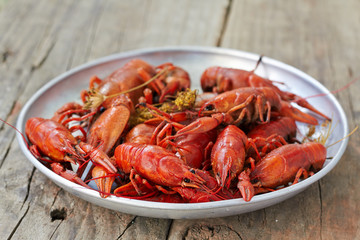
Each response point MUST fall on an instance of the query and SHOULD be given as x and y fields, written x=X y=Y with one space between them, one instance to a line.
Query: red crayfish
x=220 y=79
x=281 y=166
x=235 y=142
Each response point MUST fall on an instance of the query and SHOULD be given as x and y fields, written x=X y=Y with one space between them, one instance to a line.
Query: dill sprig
x=185 y=99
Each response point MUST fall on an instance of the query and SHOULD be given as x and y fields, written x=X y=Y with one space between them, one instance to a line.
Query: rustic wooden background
x=42 y=39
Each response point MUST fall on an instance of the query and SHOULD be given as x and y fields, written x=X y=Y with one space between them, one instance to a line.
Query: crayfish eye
x=209 y=107
x=254 y=180
x=208 y=88
x=186 y=180
x=142 y=104
x=192 y=171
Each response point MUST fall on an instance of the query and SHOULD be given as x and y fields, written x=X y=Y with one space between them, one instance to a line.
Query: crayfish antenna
x=324 y=137
x=352 y=132
x=320 y=136
x=301 y=101
x=257 y=63
x=22 y=135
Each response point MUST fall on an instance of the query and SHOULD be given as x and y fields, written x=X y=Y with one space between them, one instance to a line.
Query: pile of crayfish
x=142 y=133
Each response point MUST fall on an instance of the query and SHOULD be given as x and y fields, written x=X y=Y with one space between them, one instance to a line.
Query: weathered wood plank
x=320 y=39
x=44 y=39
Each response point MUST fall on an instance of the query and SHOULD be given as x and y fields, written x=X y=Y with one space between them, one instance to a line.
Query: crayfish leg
x=67 y=110
x=128 y=190
x=206 y=164
x=94 y=80
x=165 y=191
x=81 y=137
x=145 y=76
x=148 y=95
x=161 y=134
x=97 y=156
x=252 y=163
x=251 y=143
x=202 y=125
x=242 y=105
x=35 y=151
x=300 y=172
x=132 y=180
x=244 y=112
x=272 y=142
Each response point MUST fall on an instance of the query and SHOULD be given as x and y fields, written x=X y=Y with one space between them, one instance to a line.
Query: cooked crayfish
x=271 y=135
x=51 y=139
x=220 y=79
x=176 y=79
x=236 y=141
x=157 y=165
x=129 y=76
x=56 y=142
x=281 y=166
x=228 y=154
x=247 y=105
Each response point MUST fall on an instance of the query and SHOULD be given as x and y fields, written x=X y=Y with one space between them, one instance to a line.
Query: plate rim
x=181 y=206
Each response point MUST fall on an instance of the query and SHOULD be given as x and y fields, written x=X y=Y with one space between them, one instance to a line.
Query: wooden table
x=42 y=39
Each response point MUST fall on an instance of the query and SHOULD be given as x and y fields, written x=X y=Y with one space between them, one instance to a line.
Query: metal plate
x=195 y=60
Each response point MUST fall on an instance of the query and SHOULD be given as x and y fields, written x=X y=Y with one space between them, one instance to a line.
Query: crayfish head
x=207 y=109
x=192 y=180
x=218 y=104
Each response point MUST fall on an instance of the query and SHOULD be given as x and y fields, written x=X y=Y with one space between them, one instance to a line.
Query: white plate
x=195 y=60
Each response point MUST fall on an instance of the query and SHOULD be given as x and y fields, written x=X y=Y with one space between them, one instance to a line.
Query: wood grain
x=42 y=39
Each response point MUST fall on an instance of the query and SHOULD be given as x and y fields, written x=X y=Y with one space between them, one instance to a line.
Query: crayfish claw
x=305 y=104
x=102 y=180
x=245 y=186
x=289 y=111
x=67 y=174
